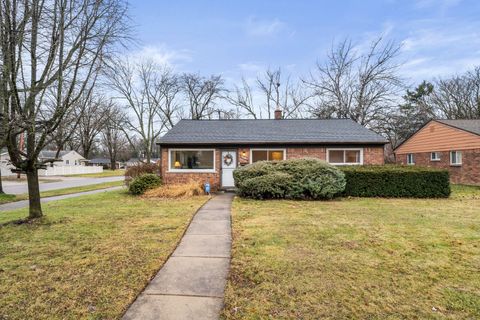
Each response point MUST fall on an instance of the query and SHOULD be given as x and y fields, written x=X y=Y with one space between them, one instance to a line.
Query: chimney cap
x=278 y=114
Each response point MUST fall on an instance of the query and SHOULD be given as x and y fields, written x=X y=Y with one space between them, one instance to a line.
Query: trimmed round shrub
x=289 y=179
x=269 y=186
x=143 y=183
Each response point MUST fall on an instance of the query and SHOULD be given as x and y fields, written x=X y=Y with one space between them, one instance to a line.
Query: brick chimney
x=278 y=114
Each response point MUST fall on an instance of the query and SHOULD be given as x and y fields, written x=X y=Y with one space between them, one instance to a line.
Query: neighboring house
x=67 y=163
x=103 y=162
x=135 y=161
x=209 y=150
x=65 y=158
x=5 y=166
x=448 y=144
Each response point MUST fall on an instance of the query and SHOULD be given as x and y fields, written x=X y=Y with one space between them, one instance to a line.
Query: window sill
x=434 y=160
x=192 y=171
x=456 y=165
x=345 y=164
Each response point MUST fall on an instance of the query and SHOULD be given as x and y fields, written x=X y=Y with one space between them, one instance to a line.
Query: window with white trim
x=410 y=159
x=267 y=155
x=435 y=156
x=192 y=159
x=345 y=156
x=455 y=158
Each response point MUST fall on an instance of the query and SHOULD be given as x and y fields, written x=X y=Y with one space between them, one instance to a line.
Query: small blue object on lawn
x=207 y=188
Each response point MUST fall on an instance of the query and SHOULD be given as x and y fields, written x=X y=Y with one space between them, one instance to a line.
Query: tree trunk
x=35 y=210
x=1 y=186
x=113 y=164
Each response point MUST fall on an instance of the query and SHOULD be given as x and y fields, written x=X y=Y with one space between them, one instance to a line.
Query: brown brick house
x=449 y=144
x=209 y=150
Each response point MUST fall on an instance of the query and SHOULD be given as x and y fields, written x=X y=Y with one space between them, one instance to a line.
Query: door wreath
x=228 y=159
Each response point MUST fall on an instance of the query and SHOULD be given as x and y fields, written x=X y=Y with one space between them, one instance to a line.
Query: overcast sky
x=244 y=37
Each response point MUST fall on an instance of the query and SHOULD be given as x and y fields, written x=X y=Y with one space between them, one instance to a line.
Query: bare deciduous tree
x=201 y=94
x=458 y=97
x=49 y=50
x=276 y=91
x=242 y=98
x=112 y=136
x=138 y=85
x=359 y=86
x=168 y=86
x=91 y=113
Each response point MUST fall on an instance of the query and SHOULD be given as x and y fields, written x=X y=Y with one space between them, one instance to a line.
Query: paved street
x=24 y=203
x=11 y=187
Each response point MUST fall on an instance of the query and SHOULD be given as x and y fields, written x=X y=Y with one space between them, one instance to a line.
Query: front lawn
x=89 y=257
x=356 y=259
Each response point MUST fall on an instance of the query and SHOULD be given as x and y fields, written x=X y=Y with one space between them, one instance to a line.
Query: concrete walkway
x=191 y=284
x=24 y=203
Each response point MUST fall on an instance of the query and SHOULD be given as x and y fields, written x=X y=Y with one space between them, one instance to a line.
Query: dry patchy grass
x=89 y=257
x=174 y=191
x=356 y=259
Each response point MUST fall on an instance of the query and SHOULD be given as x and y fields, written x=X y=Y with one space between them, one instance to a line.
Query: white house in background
x=68 y=162
x=5 y=166
x=65 y=158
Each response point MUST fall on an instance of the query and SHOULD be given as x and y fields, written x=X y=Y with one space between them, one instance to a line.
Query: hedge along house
x=209 y=150
x=449 y=144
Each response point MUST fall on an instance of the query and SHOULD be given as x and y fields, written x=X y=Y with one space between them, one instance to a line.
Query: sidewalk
x=191 y=284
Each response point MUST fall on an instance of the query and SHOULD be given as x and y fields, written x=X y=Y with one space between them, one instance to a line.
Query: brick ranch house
x=209 y=150
x=448 y=144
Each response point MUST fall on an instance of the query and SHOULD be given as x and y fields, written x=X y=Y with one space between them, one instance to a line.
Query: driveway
x=11 y=187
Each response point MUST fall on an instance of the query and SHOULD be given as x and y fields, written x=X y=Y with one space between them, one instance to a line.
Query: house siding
x=436 y=136
x=372 y=155
x=442 y=138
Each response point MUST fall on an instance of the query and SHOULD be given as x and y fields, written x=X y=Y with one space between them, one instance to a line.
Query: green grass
x=5 y=198
x=357 y=258
x=89 y=257
x=104 y=174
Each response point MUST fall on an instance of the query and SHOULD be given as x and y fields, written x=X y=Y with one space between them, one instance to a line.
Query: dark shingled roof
x=472 y=126
x=305 y=131
x=46 y=154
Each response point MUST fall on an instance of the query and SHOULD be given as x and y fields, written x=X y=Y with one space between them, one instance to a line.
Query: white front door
x=229 y=163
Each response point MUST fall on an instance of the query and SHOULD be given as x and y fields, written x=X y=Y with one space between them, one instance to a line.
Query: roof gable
x=472 y=126
x=301 y=131
x=435 y=135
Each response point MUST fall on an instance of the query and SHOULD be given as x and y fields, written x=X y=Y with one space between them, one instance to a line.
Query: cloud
x=251 y=67
x=163 y=55
x=441 y=5
x=265 y=28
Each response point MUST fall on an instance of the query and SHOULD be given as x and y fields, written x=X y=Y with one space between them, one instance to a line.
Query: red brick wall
x=371 y=155
x=183 y=177
x=467 y=173
x=299 y=153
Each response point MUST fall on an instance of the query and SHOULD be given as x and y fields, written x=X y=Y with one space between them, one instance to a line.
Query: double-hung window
x=345 y=156
x=267 y=155
x=192 y=160
x=410 y=159
x=456 y=158
x=435 y=156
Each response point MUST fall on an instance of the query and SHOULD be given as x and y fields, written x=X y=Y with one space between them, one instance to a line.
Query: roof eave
x=160 y=143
